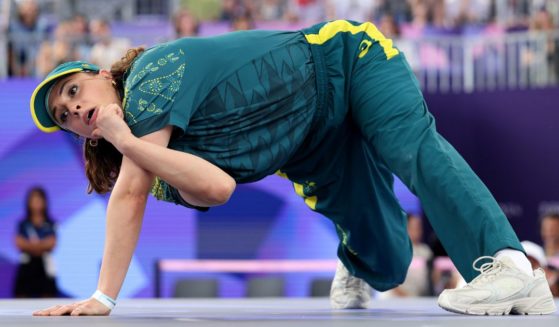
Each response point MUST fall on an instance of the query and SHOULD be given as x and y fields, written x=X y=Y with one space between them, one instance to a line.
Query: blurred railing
x=442 y=64
x=484 y=63
x=3 y=56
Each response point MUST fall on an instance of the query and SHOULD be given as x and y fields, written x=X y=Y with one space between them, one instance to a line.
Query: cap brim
x=39 y=110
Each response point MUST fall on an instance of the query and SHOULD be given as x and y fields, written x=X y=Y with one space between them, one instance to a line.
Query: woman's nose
x=75 y=109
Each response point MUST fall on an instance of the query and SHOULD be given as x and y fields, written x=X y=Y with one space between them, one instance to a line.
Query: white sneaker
x=349 y=292
x=500 y=289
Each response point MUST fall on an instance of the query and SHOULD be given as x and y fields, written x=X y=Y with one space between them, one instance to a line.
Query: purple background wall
x=511 y=140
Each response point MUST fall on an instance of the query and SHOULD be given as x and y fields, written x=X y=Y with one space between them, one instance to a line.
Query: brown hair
x=102 y=162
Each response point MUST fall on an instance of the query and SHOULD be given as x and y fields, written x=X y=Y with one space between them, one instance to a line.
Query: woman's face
x=75 y=100
x=36 y=203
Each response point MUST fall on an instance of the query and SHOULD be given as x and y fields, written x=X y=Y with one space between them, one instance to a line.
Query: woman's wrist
x=104 y=299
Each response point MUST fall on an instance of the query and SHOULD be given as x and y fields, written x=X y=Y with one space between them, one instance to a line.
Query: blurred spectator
x=419 y=21
x=444 y=274
x=515 y=14
x=415 y=231
x=536 y=255
x=36 y=238
x=27 y=29
x=468 y=12
x=389 y=27
x=242 y=22
x=185 y=24
x=80 y=37
x=358 y=10
x=550 y=234
x=306 y=11
x=438 y=13
x=229 y=9
x=401 y=10
x=59 y=50
x=271 y=9
x=106 y=48
x=542 y=22
x=417 y=278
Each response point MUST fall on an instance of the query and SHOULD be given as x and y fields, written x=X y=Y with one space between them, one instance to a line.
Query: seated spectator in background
x=26 y=30
x=389 y=27
x=106 y=49
x=36 y=239
x=185 y=24
x=59 y=50
x=417 y=279
x=515 y=15
x=80 y=36
x=536 y=255
x=229 y=9
x=401 y=10
x=271 y=9
x=419 y=21
x=415 y=231
x=468 y=12
x=242 y=22
x=542 y=22
x=306 y=11
x=444 y=274
x=359 y=10
x=550 y=234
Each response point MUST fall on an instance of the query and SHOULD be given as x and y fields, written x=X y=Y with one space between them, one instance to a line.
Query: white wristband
x=104 y=299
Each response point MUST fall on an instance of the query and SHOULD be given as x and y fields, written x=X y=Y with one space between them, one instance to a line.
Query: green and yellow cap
x=40 y=112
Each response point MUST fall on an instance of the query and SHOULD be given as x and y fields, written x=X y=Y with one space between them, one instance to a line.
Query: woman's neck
x=37 y=219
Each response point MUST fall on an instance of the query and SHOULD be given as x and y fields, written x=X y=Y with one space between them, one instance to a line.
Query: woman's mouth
x=91 y=115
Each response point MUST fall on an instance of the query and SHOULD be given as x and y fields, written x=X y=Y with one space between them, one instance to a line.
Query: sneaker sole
x=350 y=304
x=542 y=305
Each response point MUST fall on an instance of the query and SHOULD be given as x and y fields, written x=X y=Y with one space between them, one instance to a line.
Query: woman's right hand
x=110 y=124
x=89 y=307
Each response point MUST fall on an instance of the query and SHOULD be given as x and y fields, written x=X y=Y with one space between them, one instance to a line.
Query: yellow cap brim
x=39 y=110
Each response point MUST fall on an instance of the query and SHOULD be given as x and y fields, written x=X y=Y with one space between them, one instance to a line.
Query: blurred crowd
x=36 y=46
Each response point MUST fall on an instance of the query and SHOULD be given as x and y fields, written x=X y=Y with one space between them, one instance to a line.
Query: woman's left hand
x=89 y=307
x=110 y=125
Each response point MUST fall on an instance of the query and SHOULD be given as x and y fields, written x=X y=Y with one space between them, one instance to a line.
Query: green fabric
x=243 y=101
x=338 y=119
x=377 y=123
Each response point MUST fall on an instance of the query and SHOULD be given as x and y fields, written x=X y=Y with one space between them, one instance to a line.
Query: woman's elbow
x=221 y=193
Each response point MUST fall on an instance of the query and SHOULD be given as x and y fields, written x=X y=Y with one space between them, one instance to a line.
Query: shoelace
x=487 y=270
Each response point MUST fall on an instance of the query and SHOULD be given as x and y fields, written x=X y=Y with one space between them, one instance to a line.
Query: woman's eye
x=73 y=90
x=64 y=116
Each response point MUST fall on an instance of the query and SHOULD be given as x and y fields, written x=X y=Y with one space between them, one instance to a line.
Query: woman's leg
x=354 y=189
x=390 y=111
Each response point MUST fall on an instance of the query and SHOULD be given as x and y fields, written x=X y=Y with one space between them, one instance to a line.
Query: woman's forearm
x=124 y=221
x=26 y=246
x=48 y=244
x=204 y=182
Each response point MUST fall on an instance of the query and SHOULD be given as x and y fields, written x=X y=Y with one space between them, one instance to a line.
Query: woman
x=36 y=238
x=334 y=108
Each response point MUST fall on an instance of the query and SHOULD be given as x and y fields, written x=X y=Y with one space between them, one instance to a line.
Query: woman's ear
x=105 y=74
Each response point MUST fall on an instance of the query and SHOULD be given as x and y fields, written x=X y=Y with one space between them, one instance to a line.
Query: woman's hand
x=89 y=307
x=110 y=125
